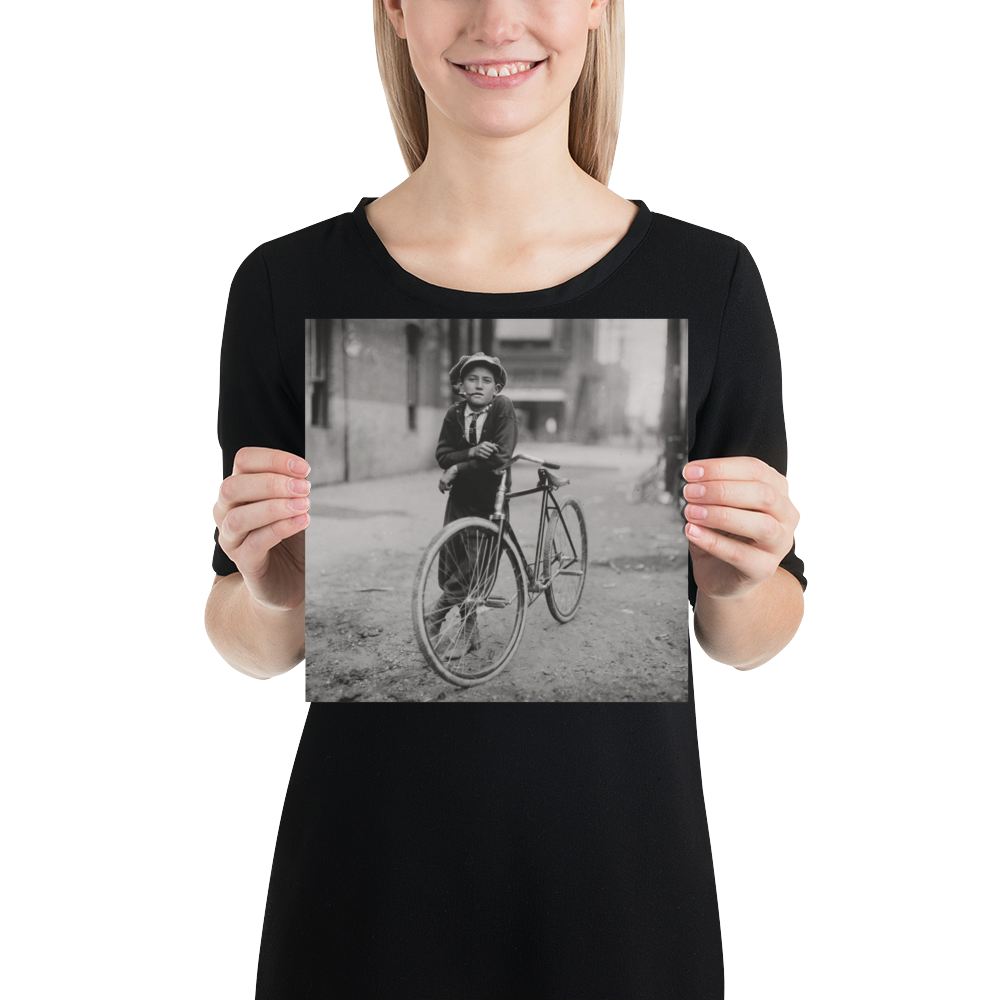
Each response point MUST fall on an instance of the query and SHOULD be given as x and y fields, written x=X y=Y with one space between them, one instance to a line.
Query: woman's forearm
x=747 y=631
x=255 y=640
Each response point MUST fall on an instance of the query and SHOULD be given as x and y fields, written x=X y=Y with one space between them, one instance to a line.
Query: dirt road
x=628 y=641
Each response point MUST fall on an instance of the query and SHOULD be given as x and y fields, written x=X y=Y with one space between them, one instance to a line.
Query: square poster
x=495 y=510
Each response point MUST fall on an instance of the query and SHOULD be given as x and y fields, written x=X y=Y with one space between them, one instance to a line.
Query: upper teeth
x=507 y=69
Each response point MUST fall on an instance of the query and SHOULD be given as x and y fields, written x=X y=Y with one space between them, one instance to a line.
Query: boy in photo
x=478 y=437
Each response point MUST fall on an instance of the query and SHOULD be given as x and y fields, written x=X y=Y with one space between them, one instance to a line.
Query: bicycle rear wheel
x=564 y=559
x=469 y=599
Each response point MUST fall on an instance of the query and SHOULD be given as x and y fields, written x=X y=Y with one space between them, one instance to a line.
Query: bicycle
x=651 y=486
x=474 y=585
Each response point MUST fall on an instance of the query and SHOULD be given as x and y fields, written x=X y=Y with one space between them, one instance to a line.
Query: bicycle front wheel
x=469 y=599
x=564 y=559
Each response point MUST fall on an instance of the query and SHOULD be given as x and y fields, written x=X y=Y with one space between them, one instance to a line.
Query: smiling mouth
x=499 y=68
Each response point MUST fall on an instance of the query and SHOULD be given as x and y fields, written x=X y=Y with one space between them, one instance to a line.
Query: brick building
x=377 y=390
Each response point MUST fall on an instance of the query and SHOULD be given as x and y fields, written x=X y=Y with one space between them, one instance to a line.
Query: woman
x=500 y=850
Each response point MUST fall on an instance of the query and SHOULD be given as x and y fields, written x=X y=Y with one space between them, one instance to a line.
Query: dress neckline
x=580 y=283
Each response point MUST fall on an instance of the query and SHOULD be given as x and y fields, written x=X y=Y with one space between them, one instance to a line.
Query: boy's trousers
x=457 y=564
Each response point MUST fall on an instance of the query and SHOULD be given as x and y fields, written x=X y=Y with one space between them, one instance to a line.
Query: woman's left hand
x=740 y=523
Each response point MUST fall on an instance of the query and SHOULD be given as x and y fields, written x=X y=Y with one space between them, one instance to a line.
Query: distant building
x=376 y=393
x=559 y=388
x=377 y=389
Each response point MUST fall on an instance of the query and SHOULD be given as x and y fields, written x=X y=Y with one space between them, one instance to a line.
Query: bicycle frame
x=501 y=518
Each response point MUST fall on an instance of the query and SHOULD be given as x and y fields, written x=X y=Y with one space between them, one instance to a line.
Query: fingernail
x=298 y=485
x=694 y=531
x=301 y=519
x=298 y=467
x=300 y=504
x=695 y=491
x=694 y=511
x=693 y=472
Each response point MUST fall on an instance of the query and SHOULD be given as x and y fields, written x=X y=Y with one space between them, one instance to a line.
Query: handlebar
x=498 y=507
x=531 y=458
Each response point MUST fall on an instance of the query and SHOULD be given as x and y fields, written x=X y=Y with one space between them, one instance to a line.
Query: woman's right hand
x=261 y=512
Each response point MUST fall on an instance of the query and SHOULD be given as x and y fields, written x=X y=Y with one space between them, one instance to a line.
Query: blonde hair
x=595 y=107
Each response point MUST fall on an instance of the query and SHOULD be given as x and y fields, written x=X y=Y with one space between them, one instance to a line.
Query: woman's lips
x=499 y=82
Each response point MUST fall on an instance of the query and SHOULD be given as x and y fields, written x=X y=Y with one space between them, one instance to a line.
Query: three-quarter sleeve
x=742 y=413
x=257 y=406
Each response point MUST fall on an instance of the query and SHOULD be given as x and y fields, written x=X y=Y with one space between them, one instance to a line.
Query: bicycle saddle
x=556 y=481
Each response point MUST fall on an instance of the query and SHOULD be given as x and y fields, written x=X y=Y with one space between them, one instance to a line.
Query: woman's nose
x=497 y=22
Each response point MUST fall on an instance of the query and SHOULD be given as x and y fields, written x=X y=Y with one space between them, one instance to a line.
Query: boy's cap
x=469 y=360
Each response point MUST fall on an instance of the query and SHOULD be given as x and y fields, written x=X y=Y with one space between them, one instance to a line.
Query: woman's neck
x=510 y=189
x=497 y=214
x=518 y=186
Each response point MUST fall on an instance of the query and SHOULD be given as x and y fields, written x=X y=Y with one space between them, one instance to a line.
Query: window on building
x=318 y=372
x=413 y=333
x=525 y=334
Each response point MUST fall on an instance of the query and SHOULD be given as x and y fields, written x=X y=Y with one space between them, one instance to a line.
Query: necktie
x=473 y=417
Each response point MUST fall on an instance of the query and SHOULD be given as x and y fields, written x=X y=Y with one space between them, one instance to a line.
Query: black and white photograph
x=496 y=510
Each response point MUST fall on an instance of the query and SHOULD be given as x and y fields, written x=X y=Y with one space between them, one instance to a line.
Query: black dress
x=481 y=851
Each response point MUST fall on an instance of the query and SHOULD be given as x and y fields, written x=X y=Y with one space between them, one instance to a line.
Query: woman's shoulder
x=307 y=237
x=301 y=244
x=695 y=255
x=668 y=231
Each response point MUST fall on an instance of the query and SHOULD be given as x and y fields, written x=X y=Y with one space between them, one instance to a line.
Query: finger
x=746 y=495
x=252 y=554
x=751 y=561
x=242 y=520
x=741 y=468
x=251 y=487
x=762 y=529
x=272 y=460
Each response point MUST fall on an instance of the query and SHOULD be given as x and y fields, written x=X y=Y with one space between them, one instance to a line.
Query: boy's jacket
x=477 y=480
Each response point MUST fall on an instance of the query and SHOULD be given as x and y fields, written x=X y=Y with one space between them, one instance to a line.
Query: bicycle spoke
x=472 y=602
